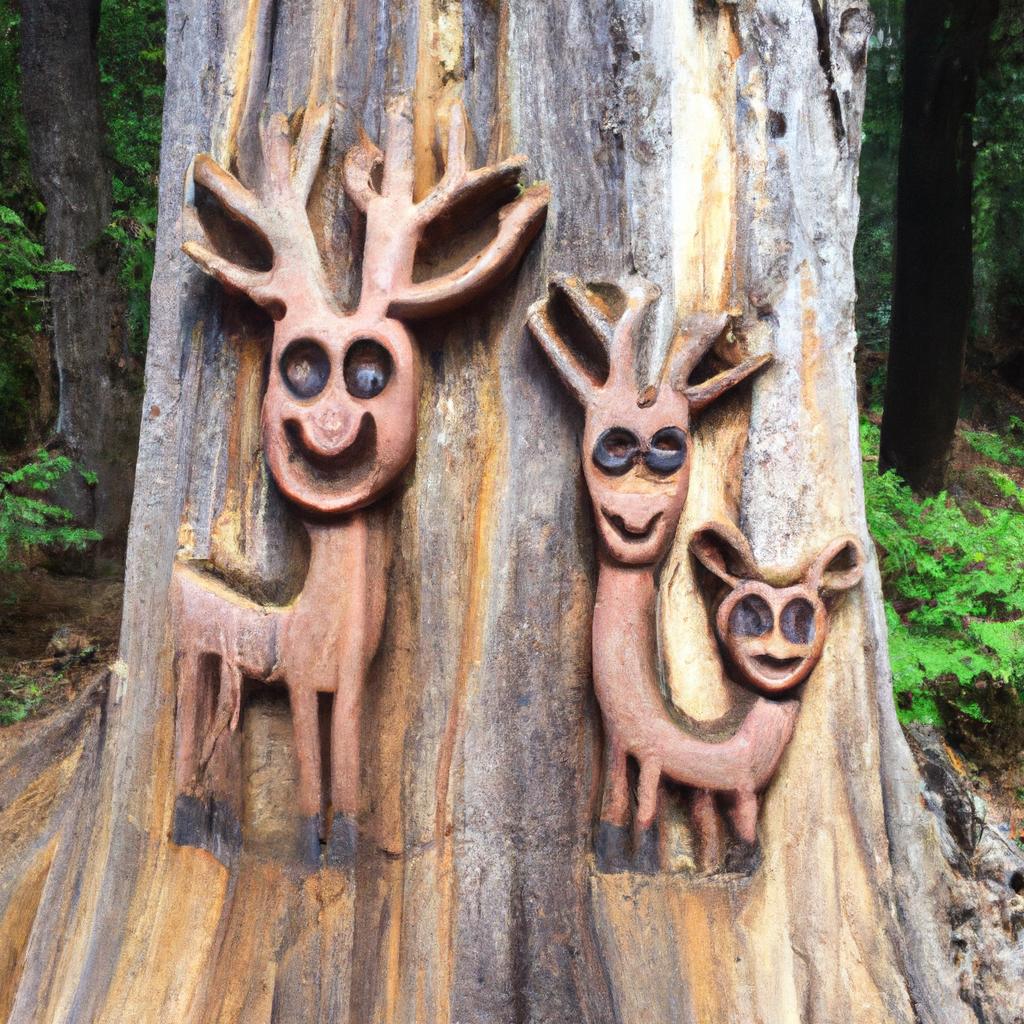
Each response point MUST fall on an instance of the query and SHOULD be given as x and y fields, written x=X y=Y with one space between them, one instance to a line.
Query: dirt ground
x=56 y=632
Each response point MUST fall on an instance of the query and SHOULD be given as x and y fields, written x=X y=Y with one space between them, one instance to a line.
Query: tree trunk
x=932 y=295
x=713 y=149
x=96 y=415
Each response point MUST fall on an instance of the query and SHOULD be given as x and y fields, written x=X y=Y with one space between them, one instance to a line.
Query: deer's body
x=638 y=725
x=338 y=429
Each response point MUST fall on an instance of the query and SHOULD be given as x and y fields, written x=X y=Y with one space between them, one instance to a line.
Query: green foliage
x=131 y=57
x=999 y=181
x=874 y=251
x=22 y=266
x=23 y=270
x=954 y=586
x=26 y=520
x=19 y=697
x=1005 y=448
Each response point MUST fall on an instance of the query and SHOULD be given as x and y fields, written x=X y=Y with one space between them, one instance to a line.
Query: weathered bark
x=97 y=404
x=713 y=149
x=944 y=41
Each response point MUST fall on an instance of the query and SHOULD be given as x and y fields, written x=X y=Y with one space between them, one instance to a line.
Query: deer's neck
x=337 y=561
x=339 y=614
x=625 y=643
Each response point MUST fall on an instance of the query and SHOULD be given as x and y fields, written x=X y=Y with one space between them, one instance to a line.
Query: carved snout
x=328 y=437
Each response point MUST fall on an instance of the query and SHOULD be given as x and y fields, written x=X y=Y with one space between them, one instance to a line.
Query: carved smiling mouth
x=332 y=462
x=632 y=536
x=776 y=668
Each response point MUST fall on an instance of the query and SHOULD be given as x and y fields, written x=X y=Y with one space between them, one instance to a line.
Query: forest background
x=942 y=169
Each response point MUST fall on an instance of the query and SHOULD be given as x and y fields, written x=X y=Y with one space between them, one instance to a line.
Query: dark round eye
x=750 y=617
x=667 y=452
x=797 y=621
x=616 y=450
x=368 y=368
x=305 y=368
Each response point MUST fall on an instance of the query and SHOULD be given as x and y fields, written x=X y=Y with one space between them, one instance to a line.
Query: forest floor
x=56 y=633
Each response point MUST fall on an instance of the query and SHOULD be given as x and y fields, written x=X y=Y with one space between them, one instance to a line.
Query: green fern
x=27 y=521
x=954 y=587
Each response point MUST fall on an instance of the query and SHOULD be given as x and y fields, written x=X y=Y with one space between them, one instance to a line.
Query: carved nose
x=330 y=434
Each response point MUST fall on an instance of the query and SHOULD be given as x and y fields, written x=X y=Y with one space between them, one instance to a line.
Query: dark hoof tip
x=344 y=838
x=646 y=855
x=743 y=858
x=208 y=824
x=611 y=848
x=225 y=832
x=309 y=841
x=189 y=825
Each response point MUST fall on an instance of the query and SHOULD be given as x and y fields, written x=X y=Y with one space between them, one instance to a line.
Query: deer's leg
x=612 y=831
x=707 y=826
x=222 y=761
x=743 y=815
x=306 y=729
x=190 y=814
x=345 y=726
x=645 y=849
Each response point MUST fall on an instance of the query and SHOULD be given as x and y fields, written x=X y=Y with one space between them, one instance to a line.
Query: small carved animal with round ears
x=636 y=464
x=339 y=427
x=773 y=635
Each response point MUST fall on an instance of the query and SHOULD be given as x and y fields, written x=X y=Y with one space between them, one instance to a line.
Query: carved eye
x=305 y=368
x=750 y=617
x=667 y=452
x=797 y=621
x=616 y=450
x=368 y=368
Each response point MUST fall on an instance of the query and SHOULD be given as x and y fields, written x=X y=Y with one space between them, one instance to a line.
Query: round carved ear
x=838 y=568
x=724 y=551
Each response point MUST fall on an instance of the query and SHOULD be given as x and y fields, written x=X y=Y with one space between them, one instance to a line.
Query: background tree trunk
x=932 y=296
x=712 y=148
x=96 y=415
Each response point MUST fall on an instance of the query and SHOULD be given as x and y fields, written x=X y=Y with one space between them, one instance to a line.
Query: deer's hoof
x=646 y=854
x=309 y=841
x=225 y=831
x=742 y=858
x=611 y=844
x=190 y=823
x=341 y=847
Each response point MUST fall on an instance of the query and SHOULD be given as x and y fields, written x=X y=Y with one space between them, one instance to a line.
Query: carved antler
x=276 y=211
x=395 y=223
x=617 y=338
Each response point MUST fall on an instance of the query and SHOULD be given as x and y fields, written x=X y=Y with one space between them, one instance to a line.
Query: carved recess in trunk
x=339 y=427
x=635 y=454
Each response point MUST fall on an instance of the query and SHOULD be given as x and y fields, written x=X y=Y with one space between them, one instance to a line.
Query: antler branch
x=393 y=215
x=276 y=211
x=695 y=339
x=616 y=337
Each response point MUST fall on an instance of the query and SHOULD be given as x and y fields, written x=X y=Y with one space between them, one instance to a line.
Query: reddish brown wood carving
x=635 y=460
x=773 y=635
x=339 y=427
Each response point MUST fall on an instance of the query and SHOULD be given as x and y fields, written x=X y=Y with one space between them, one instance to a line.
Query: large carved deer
x=338 y=428
x=635 y=453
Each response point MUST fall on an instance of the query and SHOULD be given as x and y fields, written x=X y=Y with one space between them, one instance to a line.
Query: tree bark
x=712 y=148
x=932 y=295
x=97 y=403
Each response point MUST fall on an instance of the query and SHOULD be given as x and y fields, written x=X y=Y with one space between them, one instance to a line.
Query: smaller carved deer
x=338 y=427
x=772 y=634
x=635 y=454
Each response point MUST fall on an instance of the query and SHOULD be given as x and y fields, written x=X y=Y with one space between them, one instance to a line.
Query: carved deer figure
x=772 y=634
x=635 y=453
x=338 y=429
